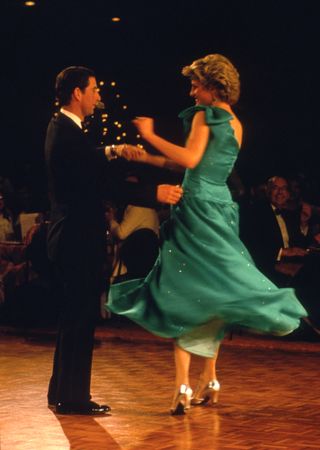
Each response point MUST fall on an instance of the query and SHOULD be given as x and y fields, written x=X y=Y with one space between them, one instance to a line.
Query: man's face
x=89 y=97
x=279 y=194
x=306 y=213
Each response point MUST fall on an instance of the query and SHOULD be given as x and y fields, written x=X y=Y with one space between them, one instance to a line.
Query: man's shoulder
x=61 y=121
x=62 y=127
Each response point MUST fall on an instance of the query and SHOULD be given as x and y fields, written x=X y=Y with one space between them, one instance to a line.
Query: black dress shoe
x=90 y=408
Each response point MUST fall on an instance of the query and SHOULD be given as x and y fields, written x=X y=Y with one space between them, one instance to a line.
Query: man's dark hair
x=69 y=79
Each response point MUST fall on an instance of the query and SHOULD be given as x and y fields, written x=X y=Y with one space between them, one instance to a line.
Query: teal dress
x=204 y=275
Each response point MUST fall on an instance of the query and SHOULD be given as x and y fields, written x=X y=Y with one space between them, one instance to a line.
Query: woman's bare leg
x=182 y=360
x=208 y=386
x=182 y=394
x=209 y=369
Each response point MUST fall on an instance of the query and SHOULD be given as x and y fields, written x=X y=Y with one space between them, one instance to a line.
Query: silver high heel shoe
x=208 y=394
x=181 y=400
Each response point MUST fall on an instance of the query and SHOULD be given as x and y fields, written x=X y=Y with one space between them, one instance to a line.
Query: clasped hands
x=131 y=152
x=166 y=193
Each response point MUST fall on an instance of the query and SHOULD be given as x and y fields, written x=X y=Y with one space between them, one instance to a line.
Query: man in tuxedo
x=271 y=232
x=80 y=180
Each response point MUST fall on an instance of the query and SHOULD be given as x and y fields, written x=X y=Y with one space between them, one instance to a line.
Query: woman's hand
x=144 y=126
x=167 y=193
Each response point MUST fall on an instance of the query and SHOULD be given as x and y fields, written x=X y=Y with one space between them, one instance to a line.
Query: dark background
x=274 y=45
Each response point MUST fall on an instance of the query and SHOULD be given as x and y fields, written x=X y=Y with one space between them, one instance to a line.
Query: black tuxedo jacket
x=80 y=180
x=260 y=231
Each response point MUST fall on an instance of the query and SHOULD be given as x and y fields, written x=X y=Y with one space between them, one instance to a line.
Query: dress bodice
x=210 y=175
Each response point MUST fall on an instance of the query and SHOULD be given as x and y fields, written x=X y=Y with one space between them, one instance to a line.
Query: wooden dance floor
x=270 y=397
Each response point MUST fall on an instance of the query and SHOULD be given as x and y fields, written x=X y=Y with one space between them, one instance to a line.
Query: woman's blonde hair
x=216 y=72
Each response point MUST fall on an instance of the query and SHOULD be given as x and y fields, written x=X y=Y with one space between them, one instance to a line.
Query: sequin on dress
x=204 y=273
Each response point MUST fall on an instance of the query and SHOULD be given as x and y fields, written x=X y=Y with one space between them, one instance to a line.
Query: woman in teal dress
x=204 y=279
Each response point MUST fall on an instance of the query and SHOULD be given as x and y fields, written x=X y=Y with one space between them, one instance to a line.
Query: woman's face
x=201 y=95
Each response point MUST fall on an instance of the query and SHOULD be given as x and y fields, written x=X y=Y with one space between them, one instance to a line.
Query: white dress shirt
x=135 y=218
x=283 y=230
x=72 y=116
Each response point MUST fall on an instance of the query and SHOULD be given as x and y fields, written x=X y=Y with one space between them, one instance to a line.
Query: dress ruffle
x=213 y=115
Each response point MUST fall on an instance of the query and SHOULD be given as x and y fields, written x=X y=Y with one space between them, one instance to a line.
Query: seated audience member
x=309 y=214
x=14 y=270
x=6 y=221
x=236 y=186
x=29 y=289
x=36 y=249
x=310 y=224
x=272 y=233
x=258 y=192
x=299 y=189
x=138 y=236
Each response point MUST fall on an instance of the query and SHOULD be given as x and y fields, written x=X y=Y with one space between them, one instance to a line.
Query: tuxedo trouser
x=81 y=288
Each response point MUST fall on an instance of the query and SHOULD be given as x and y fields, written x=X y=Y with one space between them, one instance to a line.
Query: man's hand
x=167 y=193
x=32 y=231
x=316 y=237
x=130 y=152
x=293 y=251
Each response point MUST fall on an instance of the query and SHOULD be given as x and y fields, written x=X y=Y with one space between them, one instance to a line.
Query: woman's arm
x=188 y=156
x=158 y=161
x=137 y=154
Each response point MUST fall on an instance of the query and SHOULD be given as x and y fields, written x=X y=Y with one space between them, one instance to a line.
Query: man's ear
x=77 y=93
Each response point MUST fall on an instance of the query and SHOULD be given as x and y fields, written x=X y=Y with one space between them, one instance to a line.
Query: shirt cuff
x=112 y=151
x=108 y=152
